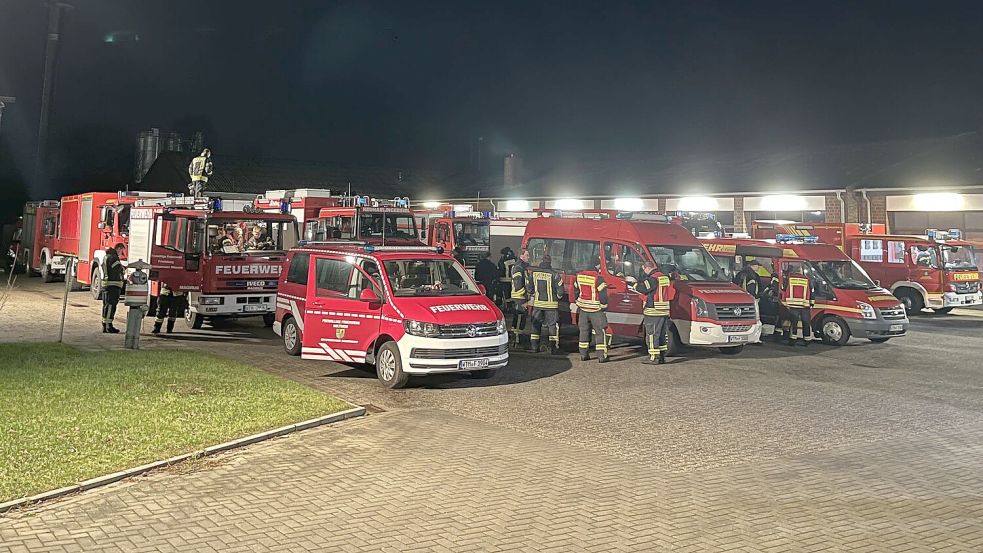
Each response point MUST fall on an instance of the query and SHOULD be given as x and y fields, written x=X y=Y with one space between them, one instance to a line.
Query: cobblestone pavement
x=862 y=448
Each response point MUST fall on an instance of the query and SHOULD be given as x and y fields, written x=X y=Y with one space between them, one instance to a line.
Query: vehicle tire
x=732 y=350
x=269 y=319
x=911 y=300
x=46 y=274
x=193 y=320
x=675 y=345
x=483 y=374
x=96 y=286
x=292 y=339
x=389 y=367
x=943 y=310
x=878 y=340
x=834 y=331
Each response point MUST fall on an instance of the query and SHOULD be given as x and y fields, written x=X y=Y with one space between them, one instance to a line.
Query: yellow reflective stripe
x=602 y=286
x=836 y=307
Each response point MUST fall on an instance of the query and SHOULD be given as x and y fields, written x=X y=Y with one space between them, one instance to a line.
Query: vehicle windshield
x=959 y=258
x=123 y=218
x=471 y=233
x=844 y=274
x=390 y=225
x=428 y=277
x=245 y=235
x=692 y=262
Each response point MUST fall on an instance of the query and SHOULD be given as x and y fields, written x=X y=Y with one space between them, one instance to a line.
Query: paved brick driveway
x=867 y=448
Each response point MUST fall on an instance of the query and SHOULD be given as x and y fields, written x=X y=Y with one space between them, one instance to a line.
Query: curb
x=211 y=450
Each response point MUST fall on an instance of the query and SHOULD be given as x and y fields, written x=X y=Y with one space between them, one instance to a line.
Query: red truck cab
x=467 y=231
x=707 y=310
x=922 y=271
x=35 y=242
x=410 y=311
x=305 y=204
x=847 y=302
x=368 y=220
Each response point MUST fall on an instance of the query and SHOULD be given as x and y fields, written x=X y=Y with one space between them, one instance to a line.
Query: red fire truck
x=451 y=228
x=304 y=204
x=201 y=246
x=848 y=302
x=922 y=271
x=39 y=228
x=708 y=310
x=368 y=220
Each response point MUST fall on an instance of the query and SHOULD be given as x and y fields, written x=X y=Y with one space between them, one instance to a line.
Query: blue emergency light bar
x=430 y=249
x=783 y=238
x=217 y=204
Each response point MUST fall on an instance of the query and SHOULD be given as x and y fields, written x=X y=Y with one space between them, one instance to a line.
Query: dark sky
x=414 y=83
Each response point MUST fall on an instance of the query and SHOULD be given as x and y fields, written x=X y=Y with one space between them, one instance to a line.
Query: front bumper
x=693 y=333
x=952 y=299
x=442 y=355
x=876 y=328
x=234 y=305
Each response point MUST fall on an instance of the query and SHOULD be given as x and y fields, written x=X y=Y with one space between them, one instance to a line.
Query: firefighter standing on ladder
x=518 y=273
x=112 y=286
x=591 y=297
x=797 y=302
x=545 y=285
x=200 y=169
x=170 y=303
x=655 y=313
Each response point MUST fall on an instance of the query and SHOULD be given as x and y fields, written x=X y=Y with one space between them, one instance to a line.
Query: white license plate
x=254 y=308
x=897 y=328
x=473 y=364
x=737 y=338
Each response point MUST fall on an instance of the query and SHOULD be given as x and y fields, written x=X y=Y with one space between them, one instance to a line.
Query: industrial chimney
x=513 y=171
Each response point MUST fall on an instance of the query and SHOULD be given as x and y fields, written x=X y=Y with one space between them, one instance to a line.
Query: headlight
x=867 y=310
x=418 y=328
x=953 y=287
x=700 y=307
x=213 y=300
x=500 y=326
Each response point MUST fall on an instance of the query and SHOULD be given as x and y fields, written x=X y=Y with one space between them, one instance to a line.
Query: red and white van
x=410 y=311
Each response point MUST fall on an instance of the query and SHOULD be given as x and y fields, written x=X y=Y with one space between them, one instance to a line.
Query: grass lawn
x=67 y=415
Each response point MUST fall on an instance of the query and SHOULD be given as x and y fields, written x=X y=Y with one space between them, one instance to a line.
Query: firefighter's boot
x=111 y=329
x=662 y=358
x=650 y=360
x=156 y=329
x=584 y=355
x=555 y=349
x=602 y=357
x=534 y=345
x=170 y=326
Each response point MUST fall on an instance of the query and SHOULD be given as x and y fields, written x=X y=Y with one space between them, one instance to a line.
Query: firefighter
x=591 y=297
x=505 y=263
x=170 y=303
x=199 y=170
x=545 y=286
x=231 y=242
x=747 y=278
x=797 y=303
x=517 y=298
x=257 y=241
x=656 y=287
x=772 y=293
x=112 y=286
x=486 y=273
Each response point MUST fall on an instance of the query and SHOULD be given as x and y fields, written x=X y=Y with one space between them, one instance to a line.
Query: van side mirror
x=369 y=295
x=101 y=225
x=482 y=289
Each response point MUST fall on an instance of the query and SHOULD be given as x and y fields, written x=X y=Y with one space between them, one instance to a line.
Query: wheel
x=878 y=340
x=483 y=374
x=96 y=286
x=834 y=331
x=943 y=310
x=291 y=336
x=675 y=345
x=46 y=274
x=193 y=320
x=389 y=367
x=269 y=319
x=912 y=301
x=732 y=350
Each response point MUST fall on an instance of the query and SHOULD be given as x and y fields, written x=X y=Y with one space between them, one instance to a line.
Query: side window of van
x=297 y=272
x=622 y=261
x=584 y=255
x=333 y=277
x=540 y=247
x=363 y=282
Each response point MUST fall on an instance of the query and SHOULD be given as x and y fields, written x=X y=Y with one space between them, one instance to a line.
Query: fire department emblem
x=339 y=333
x=738 y=311
x=472 y=331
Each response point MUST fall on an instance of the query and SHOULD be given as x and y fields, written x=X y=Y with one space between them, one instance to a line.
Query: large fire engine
x=708 y=309
x=34 y=244
x=203 y=246
x=847 y=302
x=369 y=220
x=457 y=228
x=304 y=204
x=937 y=270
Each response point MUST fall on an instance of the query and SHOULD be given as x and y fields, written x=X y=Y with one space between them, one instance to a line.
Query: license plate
x=473 y=364
x=737 y=338
x=897 y=328
x=254 y=308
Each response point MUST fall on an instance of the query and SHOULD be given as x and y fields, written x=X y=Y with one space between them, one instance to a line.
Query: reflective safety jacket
x=655 y=286
x=797 y=292
x=200 y=169
x=748 y=280
x=114 y=272
x=518 y=277
x=591 y=292
x=545 y=286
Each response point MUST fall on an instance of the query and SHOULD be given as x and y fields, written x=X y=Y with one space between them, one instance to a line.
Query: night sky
x=415 y=83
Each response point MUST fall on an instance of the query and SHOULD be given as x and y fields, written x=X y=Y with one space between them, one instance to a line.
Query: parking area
x=862 y=448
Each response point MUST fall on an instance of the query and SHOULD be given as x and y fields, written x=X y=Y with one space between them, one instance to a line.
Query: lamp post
x=4 y=102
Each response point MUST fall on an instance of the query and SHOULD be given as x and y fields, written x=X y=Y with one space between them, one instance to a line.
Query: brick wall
x=740 y=223
x=878 y=207
x=662 y=205
x=832 y=208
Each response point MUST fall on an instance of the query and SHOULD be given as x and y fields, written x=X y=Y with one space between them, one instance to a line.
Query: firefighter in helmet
x=199 y=170
x=748 y=279
x=257 y=241
x=518 y=273
x=655 y=314
x=796 y=298
x=170 y=304
x=591 y=298
x=112 y=287
x=545 y=286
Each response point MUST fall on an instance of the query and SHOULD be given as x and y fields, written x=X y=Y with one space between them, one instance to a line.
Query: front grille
x=893 y=313
x=458 y=353
x=967 y=287
x=461 y=331
x=735 y=311
x=736 y=328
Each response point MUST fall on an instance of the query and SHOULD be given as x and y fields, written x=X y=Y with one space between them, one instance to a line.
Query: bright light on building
x=698 y=203
x=569 y=204
x=783 y=202
x=463 y=208
x=431 y=205
x=628 y=204
x=515 y=205
x=939 y=201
